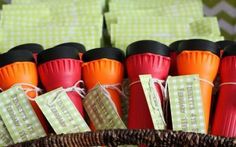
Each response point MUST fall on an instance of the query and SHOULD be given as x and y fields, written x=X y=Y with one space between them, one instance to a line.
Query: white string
x=206 y=81
x=164 y=89
x=133 y=83
x=113 y=87
x=160 y=83
x=156 y=81
x=28 y=89
x=76 y=88
x=228 y=83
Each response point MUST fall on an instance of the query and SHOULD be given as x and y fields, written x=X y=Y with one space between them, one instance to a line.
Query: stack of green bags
x=52 y=22
x=164 y=21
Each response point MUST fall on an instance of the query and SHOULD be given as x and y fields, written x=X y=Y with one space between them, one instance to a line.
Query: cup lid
x=80 y=47
x=230 y=50
x=32 y=47
x=99 y=53
x=147 y=46
x=224 y=43
x=200 y=45
x=16 y=56
x=58 y=52
x=174 y=46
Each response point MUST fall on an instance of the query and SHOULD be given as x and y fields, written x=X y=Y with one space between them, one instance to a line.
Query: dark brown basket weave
x=113 y=138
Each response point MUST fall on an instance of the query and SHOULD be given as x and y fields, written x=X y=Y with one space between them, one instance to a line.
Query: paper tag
x=101 y=111
x=61 y=112
x=186 y=103
x=5 y=138
x=153 y=101
x=19 y=116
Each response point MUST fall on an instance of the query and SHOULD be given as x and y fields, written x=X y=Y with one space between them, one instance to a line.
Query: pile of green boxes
x=52 y=22
x=164 y=21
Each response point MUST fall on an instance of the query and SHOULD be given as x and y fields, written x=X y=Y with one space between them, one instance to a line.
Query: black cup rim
x=230 y=50
x=80 y=47
x=175 y=45
x=59 y=52
x=106 y=52
x=199 y=45
x=147 y=46
x=16 y=56
x=224 y=43
x=32 y=47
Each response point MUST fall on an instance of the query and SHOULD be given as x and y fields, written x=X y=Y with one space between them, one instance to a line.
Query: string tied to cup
x=227 y=83
x=205 y=81
x=29 y=88
x=161 y=83
x=114 y=87
x=75 y=88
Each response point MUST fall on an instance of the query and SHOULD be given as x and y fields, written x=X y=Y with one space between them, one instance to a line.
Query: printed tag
x=19 y=116
x=186 y=103
x=5 y=138
x=153 y=101
x=61 y=112
x=101 y=110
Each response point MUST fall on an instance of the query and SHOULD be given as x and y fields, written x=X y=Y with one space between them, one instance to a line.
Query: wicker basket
x=113 y=138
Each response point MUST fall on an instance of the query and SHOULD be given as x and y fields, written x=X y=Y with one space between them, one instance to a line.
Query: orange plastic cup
x=19 y=67
x=104 y=66
x=201 y=57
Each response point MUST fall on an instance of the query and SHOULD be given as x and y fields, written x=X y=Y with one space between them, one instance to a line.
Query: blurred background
x=225 y=10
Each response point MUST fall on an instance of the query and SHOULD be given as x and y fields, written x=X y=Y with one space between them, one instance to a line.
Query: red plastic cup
x=144 y=57
x=173 y=55
x=61 y=67
x=34 y=48
x=222 y=45
x=225 y=114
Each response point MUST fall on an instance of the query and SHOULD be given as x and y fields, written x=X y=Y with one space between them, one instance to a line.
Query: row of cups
x=68 y=63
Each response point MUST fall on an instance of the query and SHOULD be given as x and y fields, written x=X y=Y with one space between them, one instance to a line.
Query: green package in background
x=50 y=36
x=168 y=29
x=125 y=5
x=156 y=19
x=51 y=23
x=185 y=9
x=111 y=17
x=205 y=27
x=83 y=7
x=31 y=7
x=201 y=27
x=61 y=112
x=55 y=12
x=122 y=43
